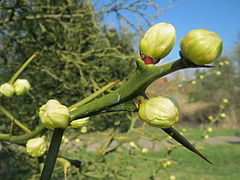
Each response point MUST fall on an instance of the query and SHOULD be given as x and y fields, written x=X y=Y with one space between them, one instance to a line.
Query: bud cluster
x=19 y=87
x=199 y=46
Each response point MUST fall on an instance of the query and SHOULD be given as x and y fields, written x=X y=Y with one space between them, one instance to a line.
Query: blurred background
x=85 y=44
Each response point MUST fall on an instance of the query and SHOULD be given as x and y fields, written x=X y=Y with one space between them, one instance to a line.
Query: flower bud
x=21 y=86
x=79 y=122
x=7 y=89
x=145 y=150
x=223 y=115
x=159 y=111
x=157 y=42
x=201 y=46
x=133 y=145
x=36 y=147
x=209 y=129
x=84 y=129
x=54 y=115
x=225 y=100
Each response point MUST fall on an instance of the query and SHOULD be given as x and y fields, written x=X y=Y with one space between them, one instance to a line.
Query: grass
x=185 y=165
x=225 y=158
x=132 y=164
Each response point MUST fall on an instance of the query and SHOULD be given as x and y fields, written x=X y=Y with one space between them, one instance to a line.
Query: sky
x=220 y=16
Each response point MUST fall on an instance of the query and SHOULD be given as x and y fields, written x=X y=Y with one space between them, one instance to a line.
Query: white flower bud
x=21 y=86
x=7 y=89
x=157 y=42
x=36 y=147
x=201 y=46
x=79 y=122
x=54 y=115
x=84 y=129
x=159 y=112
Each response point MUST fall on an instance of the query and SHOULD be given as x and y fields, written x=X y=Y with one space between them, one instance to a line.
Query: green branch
x=14 y=120
x=23 y=138
x=135 y=86
x=92 y=96
x=20 y=70
x=52 y=154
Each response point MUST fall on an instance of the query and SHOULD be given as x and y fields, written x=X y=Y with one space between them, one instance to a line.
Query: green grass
x=134 y=165
x=185 y=164
x=225 y=158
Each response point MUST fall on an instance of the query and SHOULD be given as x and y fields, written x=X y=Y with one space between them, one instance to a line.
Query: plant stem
x=20 y=70
x=23 y=138
x=92 y=96
x=135 y=86
x=14 y=120
x=52 y=154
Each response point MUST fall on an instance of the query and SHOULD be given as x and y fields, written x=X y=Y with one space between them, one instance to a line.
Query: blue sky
x=221 y=16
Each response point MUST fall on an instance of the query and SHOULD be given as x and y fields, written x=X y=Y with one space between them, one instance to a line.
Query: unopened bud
x=157 y=42
x=54 y=115
x=6 y=89
x=133 y=145
x=145 y=150
x=21 y=86
x=159 y=111
x=225 y=100
x=201 y=46
x=36 y=147
x=79 y=122
x=84 y=129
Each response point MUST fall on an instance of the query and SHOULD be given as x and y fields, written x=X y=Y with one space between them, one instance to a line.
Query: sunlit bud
x=65 y=139
x=201 y=46
x=84 y=129
x=223 y=115
x=183 y=78
x=193 y=82
x=221 y=106
x=159 y=111
x=79 y=122
x=221 y=63
x=167 y=163
x=157 y=42
x=206 y=136
x=209 y=129
x=54 y=115
x=227 y=62
x=133 y=145
x=218 y=73
x=172 y=177
x=145 y=150
x=36 y=147
x=225 y=101
x=77 y=140
x=21 y=86
x=210 y=118
x=201 y=77
x=6 y=89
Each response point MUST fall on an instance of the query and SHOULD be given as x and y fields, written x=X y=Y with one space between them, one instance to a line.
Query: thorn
x=183 y=141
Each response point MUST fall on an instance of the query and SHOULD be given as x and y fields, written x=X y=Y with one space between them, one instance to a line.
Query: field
x=222 y=148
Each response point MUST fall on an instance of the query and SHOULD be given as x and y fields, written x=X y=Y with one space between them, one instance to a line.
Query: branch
x=23 y=138
x=135 y=86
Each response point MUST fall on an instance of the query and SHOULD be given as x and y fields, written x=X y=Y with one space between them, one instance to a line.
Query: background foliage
x=78 y=54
